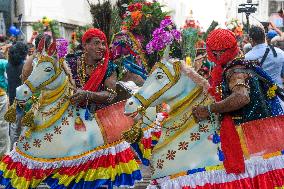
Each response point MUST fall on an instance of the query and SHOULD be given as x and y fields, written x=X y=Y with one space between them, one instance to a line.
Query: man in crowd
x=271 y=58
x=17 y=56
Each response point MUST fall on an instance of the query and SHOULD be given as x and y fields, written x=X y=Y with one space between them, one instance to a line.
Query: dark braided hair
x=257 y=34
x=18 y=53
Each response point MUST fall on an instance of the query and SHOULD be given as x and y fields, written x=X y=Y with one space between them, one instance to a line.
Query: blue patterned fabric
x=260 y=105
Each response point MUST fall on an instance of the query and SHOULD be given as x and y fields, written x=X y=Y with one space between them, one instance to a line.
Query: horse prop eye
x=160 y=76
x=48 y=69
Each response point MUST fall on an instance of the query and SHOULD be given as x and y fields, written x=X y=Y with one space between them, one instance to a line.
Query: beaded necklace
x=81 y=67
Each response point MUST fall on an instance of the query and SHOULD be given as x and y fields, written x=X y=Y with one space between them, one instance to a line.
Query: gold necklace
x=52 y=111
x=81 y=67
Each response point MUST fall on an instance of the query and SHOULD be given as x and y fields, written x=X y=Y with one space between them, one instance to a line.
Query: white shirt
x=273 y=66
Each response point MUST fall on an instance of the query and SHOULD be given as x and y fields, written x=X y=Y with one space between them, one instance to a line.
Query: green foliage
x=189 y=39
x=46 y=24
x=78 y=33
x=38 y=26
x=102 y=15
x=121 y=7
x=80 y=30
x=152 y=16
x=54 y=27
x=176 y=50
x=116 y=21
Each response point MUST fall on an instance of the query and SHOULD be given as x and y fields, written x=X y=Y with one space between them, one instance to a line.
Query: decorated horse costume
x=188 y=154
x=59 y=147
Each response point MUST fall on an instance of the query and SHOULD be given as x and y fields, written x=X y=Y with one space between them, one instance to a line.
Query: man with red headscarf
x=94 y=75
x=241 y=90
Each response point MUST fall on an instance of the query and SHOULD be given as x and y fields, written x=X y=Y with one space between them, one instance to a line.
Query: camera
x=247 y=10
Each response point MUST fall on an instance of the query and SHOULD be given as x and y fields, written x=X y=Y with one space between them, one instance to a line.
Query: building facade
x=5 y=16
x=69 y=13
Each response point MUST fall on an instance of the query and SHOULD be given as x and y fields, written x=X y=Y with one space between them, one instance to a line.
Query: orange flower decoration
x=124 y=28
x=238 y=31
x=136 y=17
x=74 y=37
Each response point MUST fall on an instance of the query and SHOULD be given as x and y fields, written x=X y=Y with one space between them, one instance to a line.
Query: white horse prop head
x=48 y=74
x=165 y=84
x=184 y=144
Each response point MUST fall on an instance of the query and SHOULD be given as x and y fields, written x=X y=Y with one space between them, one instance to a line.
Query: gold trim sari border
x=50 y=160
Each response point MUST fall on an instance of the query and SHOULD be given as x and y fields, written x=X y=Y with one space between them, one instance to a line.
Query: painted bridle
x=46 y=56
x=145 y=103
x=58 y=70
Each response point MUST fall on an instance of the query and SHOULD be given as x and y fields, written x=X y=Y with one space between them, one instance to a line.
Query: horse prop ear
x=41 y=45
x=51 y=49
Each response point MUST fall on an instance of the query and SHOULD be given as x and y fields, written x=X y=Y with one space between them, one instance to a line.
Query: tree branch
x=89 y=3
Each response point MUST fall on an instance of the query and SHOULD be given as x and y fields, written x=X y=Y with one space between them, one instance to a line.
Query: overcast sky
x=203 y=10
x=207 y=10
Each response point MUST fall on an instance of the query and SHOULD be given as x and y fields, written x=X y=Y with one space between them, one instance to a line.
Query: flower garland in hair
x=163 y=36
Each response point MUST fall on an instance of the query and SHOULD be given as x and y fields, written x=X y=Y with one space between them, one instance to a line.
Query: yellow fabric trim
x=155 y=138
x=270 y=155
x=30 y=85
x=99 y=173
x=49 y=97
x=147 y=153
x=178 y=108
x=68 y=158
x=178 y=175
x=2 y=92
x=173 y=80
x=18 y=182
x=50 y=122
x=183 y=104
x=43 y=58
x=243 y=142
x=190 y=123
x=215 y=168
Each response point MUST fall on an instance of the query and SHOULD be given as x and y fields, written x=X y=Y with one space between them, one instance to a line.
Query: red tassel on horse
x=231 y=146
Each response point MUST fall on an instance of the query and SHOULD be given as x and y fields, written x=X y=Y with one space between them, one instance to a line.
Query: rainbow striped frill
x=111 y=165
x=144 y=147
